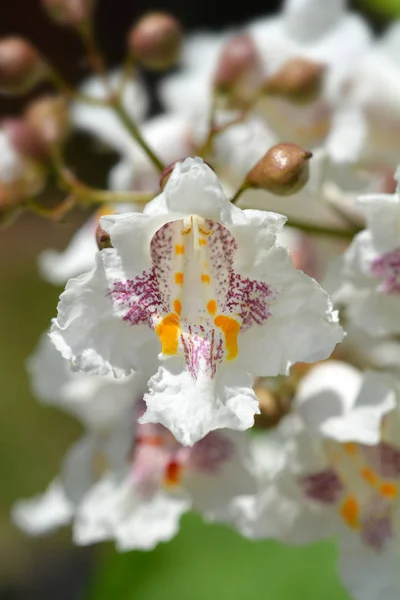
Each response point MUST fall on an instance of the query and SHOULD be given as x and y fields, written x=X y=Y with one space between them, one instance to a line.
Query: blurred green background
x=203 y=561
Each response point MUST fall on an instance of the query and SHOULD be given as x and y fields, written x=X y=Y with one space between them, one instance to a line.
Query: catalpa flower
x=104 y=406
x=140 y=503
x=333 y=470
x=204 y=284
x=366 y=279
x=122 y=476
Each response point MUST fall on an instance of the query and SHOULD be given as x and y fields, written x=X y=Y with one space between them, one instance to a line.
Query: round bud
x=273 y=404
x=238 y=57
x=21 y=66
x=24 y=138
x=155 y=41
x=49 y=116
x=299 y=79
x=103 y=239
x=283 y=170
x=69 y=12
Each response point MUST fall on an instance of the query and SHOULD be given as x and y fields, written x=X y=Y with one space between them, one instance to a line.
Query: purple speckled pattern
x=384 y=458
x=203 y=348
x=376 y=524
x=387 y=267
x=323 y=486
x=211 y=452
x=149 y=297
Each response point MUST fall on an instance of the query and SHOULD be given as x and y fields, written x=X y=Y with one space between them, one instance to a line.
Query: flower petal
x=114 y=510
x=190 y=408
x=45 y=512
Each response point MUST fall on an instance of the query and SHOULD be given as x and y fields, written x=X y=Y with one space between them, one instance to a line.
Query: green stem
x=119 y=110
x=346 y=234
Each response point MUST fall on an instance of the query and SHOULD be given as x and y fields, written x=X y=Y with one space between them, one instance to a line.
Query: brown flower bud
x=103 y=238
x=238 y=57
x=21 y=66
x=273 y=406
x=155 y=41
x=299 y=80
x=283 y=170
x=24 y=138
x=69 y=12
x=49 y=116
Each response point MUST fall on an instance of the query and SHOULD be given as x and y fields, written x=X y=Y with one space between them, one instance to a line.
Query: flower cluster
x=228 y=332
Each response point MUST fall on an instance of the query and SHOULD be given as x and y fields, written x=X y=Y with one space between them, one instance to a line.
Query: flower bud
x=21 y=66
x=155 y=41
x=283 y=170
x=69 y=12
x=49 y=116
x=238 y=57
x=103 y=239
x=24 y=138
x=273 y=406
x=299 y=80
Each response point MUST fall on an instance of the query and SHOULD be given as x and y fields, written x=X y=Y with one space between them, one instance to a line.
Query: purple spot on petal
x=387 y=267
x=323 y=486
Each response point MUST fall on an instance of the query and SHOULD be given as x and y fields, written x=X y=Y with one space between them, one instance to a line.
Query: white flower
x=122 y=481
x=365 y=280
x=304 y=29
x=100 y=121
x=204 y=283
x=141 y=504
x=337 y=474
x=372 y=86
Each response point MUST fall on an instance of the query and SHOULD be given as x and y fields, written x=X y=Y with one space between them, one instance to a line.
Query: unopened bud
x=24 y=138
x=69 y=12
x=165 y=175
x=238 y=57
x=155 y=41
x=49 y=116
x=283 y=170
x=21 y=66
x=299 y=80
x=103 y=238
x=273 y=406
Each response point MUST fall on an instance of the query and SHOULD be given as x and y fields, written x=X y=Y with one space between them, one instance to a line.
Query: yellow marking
x=173 y=474
x=168 y=331
x=202 y=242
x=179 y=249
x=369 y=476
x=350 y=512
x=206 y=232
x=230 y=328
x=350 y=448
x=179 y=278
x=177 y=307
x=205 y=278
x=389 y=490
x=212 y=307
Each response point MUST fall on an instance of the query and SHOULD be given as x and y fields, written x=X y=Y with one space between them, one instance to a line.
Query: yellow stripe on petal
x=168 y=332
x=230 y=328
x=350 y=512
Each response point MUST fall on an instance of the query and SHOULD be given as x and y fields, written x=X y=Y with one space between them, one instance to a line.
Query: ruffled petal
x=191 y=408
x=114 y=510
x=89 y=332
